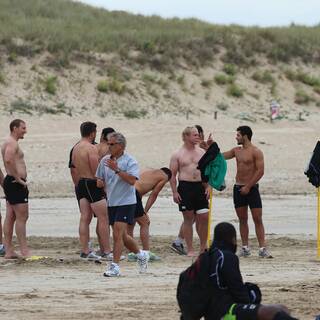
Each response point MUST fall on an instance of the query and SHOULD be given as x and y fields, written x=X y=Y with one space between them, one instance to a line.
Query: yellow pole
x=318 y=222
x=209 y=220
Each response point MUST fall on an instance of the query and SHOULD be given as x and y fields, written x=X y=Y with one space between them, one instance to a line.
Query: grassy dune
x=66 y=26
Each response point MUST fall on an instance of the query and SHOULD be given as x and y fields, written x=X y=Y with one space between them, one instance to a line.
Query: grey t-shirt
x=119 y=192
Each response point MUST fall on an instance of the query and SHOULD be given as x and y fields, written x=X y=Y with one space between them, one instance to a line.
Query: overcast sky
x=243 y=12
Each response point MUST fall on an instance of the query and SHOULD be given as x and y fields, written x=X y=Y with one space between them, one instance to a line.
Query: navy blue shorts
x=252 y=199
x=122 y=214
x=139 y=212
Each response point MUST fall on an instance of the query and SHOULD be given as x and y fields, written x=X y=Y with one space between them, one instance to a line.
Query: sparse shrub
x=12 y=58
x=222 y=106
x=103 y=86
x=234 y=91
x=21 y=106
x=230 y=69
x=302 y=97
x=50 y=85
x=117 y=86
x=147 y=77
x=273 y=89
x=315 y=89
x=290 y=75
x=135 y=114
x=308 y=80
x=263 y=77
x=206 y=83
x=181 y=80
x=222 y=79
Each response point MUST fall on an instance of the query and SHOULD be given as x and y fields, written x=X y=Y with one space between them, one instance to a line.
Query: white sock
x=245 y=247
x=1 y=246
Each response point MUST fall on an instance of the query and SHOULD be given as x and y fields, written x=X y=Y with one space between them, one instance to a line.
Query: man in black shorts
x=250 y=169
x=16 y=190
x=84 y=160
x=227 y=297
x=153 y=181
x=2 y=251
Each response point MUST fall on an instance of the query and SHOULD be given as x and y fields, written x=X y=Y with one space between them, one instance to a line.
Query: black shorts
x=139 y=207
x=15 y=192
x=122 y=214
x=193 y=197
x=252 y=199
x=87 y=188
x=240 y=311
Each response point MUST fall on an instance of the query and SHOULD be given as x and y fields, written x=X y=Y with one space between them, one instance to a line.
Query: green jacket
x=216 y=171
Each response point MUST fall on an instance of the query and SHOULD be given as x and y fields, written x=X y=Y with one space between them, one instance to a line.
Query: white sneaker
x=91 y=256
x=113 y=270
x=264 y=253
x=142 y=260
x=244 y=252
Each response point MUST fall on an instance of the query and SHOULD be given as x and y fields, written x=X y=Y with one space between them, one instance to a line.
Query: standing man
x=250 y=169
x=15 y=190
x=103 y=148
x=151 y=180
x=119 y=171
x=191 y=195
x=2 y=251
x=85 y=160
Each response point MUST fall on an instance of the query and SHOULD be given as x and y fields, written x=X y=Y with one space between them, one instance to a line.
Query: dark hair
x=245 y=131
x=15 y=123
x=224 y=231
x=167 y=171
x=87 y=128
x=199 y=128
x=106 y=131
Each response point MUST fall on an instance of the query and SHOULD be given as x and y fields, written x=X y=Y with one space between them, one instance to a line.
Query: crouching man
x=213 y=288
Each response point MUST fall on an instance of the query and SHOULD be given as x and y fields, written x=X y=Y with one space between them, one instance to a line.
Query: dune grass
x=66 y=26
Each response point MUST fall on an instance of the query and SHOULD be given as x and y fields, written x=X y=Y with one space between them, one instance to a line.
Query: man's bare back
x=149 y=179
x=85 y=159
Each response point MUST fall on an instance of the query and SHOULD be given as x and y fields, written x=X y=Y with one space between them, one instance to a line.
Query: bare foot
x=191 y=254
x=26 y=254
x=11 y=255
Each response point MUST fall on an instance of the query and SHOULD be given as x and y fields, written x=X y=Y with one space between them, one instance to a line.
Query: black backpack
x=313 y=169
x=194 y=288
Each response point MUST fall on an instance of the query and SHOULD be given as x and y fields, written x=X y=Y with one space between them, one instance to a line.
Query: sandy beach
x=62 y=286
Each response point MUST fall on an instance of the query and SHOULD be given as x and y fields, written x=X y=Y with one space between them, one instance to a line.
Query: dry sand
x=63 y=287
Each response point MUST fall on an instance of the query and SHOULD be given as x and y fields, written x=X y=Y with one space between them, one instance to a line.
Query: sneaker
x=112 y=270
x=132 y=257
x=142 y=260
x=153 y=257
x=91 y=256
x=263 y=253
x=2 y=250
x=179 y=249
x=109 y=256
x=244 y=252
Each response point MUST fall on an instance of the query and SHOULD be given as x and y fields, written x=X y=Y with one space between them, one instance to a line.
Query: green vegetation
x=29 y=108
x=206 y=83
x=230 y=69
x=135 y=114
x=222 y=79
x=113 y=85
x=234 y=91
x=66 y=27
x=302 y=97
x=222 y=106
x=2 y=78
x=263 y=77
x=50 y=85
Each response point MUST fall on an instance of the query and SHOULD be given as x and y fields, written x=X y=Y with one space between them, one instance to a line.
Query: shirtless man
x=150 y=180
x=191 y=195
x=16 y=190
x=85 y=159
x=250 y=169
x=2 y=251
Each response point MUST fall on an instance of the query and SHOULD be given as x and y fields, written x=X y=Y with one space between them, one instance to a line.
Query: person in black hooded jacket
x=229 y=298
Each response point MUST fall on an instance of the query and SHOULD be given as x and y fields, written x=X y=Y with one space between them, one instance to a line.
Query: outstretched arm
x=229 y=154
x=154 y=195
